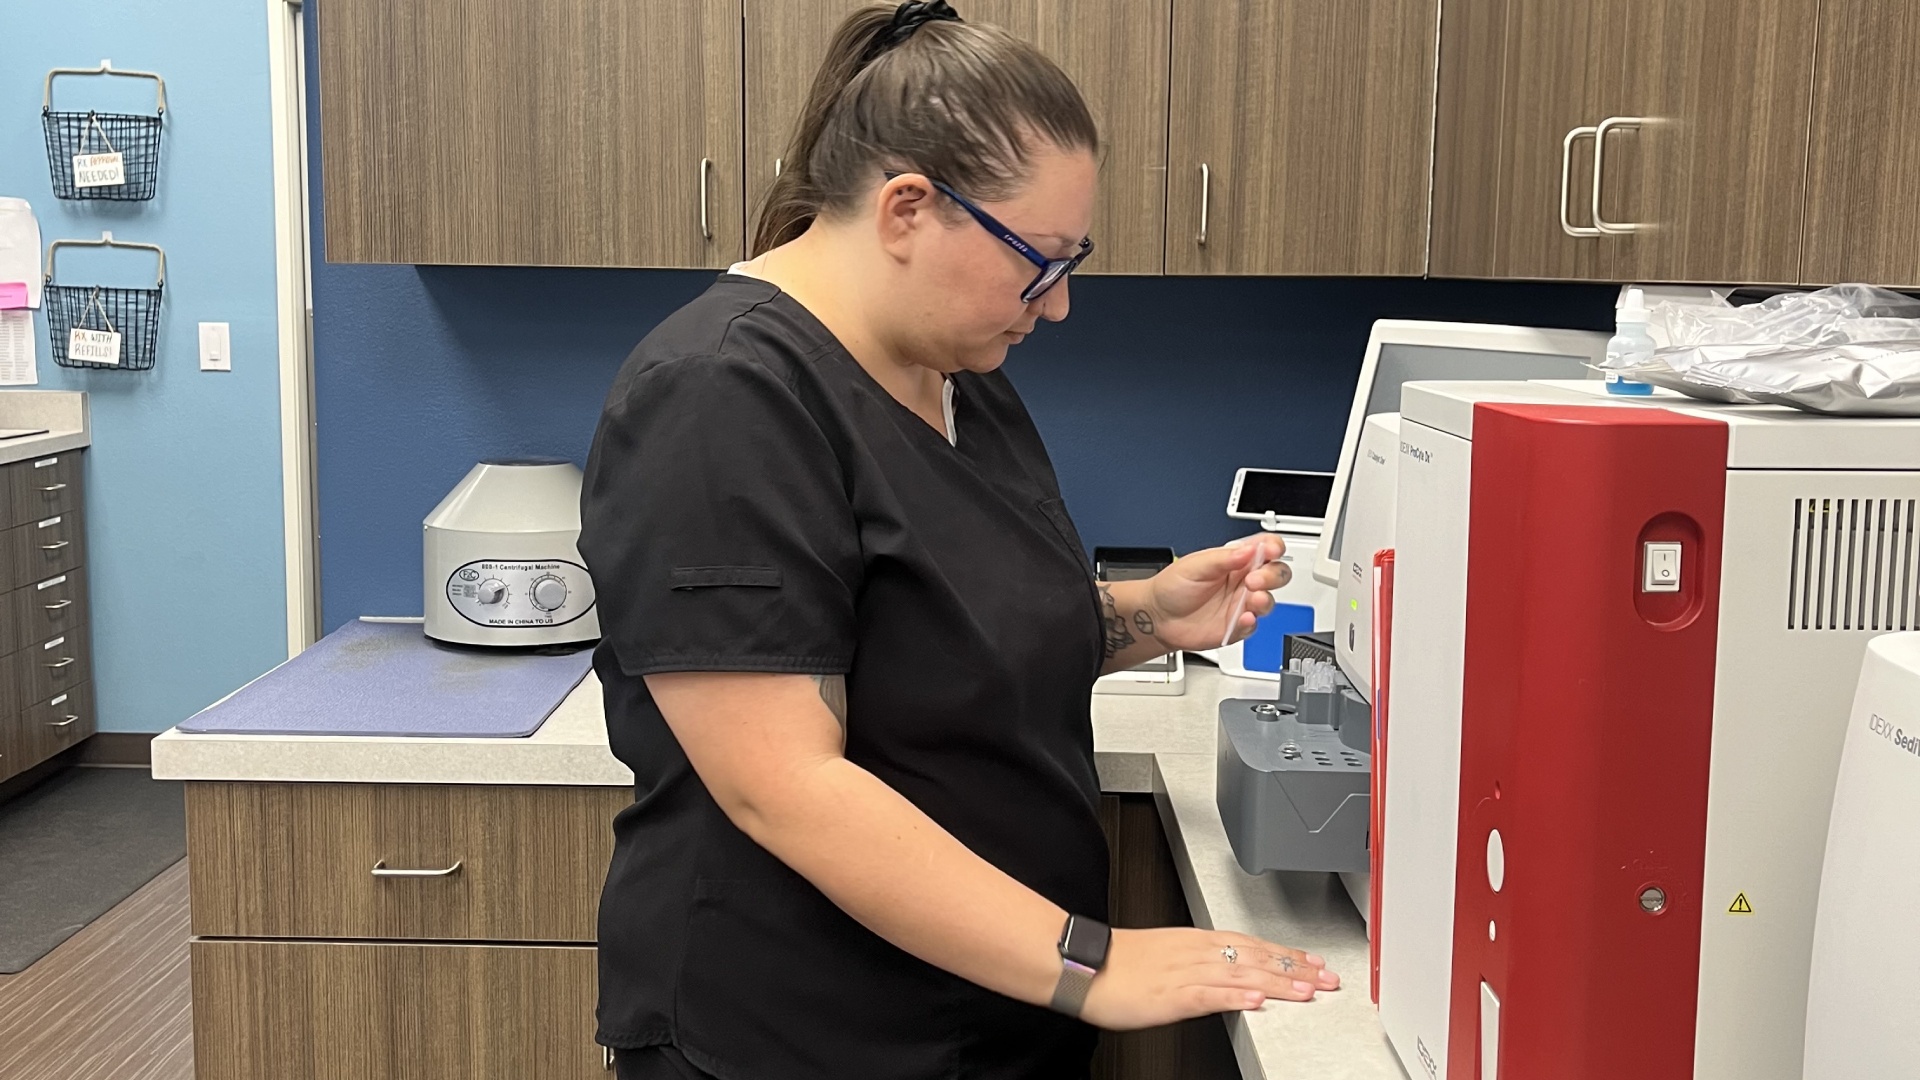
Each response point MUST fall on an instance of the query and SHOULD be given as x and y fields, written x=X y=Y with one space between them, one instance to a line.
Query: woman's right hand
x=1155 y=977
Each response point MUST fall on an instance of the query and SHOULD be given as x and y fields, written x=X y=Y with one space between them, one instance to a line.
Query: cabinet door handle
x=68 y=722
x=706 y=228
x=1616 y=228
x=50 y=488
x=55 y=546
x=59 y=605
x=380 y=870
x=606 y=1058
x=1206 y=189
x=777 y=162
x=63 y=662
x=1566 y=181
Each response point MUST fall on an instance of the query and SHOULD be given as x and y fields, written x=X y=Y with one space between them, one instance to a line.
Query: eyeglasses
x=1051 y=270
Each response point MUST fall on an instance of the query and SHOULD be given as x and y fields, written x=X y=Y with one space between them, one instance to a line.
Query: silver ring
x=1231 y=955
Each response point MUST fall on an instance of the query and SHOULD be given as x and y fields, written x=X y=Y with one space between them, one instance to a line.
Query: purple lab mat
x=388 y=679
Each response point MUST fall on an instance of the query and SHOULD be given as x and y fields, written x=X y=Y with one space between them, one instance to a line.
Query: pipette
x=1240 y=602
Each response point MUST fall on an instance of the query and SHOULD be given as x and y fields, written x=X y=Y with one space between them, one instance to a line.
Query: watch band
x=1070 y=993
x=1083 y=952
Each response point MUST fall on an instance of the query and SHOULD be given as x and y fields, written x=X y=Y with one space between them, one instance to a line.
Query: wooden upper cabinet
x=1715 y=185
x=1863 y=180
x=1300 y=136
x=556 y=133
x=1703 y=106
x=1522 y=86
x=1115 y=50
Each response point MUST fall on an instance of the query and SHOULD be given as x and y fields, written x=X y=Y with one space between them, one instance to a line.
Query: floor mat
x=77 y=845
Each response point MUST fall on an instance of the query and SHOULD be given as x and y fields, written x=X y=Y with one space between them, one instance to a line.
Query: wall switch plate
x=216 y=347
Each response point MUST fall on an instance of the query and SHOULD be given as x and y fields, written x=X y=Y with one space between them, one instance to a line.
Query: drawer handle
x=606 y=1058
x=64 y=661
x=68 y=722
x=706 y=227
x=380 y=870
x=1206 y=189
x=55 y=546
x=51 y=488
x=60 y=606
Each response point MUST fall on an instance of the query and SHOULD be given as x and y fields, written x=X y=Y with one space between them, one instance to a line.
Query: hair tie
x=908 y=18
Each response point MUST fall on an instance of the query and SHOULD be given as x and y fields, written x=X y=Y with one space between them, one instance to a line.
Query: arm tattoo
x=1143 y=622
x=1118 y=638
x=833 y=691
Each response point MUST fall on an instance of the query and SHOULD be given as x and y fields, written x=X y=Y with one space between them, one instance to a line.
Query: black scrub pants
x=655 y=1063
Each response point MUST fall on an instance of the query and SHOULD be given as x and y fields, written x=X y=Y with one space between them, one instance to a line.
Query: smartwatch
x=1083 y=952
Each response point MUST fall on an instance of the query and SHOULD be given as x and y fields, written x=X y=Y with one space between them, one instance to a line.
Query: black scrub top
x=755 y=501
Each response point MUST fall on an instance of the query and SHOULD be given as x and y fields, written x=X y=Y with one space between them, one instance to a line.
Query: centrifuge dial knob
x=492 y=591
x=549 y=592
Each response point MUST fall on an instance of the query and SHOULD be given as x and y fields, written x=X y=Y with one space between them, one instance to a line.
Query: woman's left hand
x=1191 y=600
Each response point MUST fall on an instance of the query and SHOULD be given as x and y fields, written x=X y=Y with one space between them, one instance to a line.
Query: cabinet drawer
x=38 y=550
x=43 y=487
x=43 y=610
x=47 y=668
x=12 y=757
x=53 y=724
x=474 y=863
x=296 y=1010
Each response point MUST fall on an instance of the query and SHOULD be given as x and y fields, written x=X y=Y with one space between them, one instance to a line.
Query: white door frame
x=286 y=70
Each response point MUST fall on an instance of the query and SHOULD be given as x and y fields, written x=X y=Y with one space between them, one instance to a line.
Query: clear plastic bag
x=1851 y=350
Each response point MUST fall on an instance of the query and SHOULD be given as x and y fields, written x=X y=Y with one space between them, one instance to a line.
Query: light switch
x=216 y=349
x=1660 y=568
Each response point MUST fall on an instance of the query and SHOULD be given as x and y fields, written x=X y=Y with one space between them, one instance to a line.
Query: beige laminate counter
x=1158 y=745
x=62 y=412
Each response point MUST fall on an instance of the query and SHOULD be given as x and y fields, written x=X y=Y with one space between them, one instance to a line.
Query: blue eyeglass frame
x=1052 y=271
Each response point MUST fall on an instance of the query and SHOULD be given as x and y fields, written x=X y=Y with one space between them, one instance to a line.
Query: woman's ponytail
x=793 y=202
x=918 y=90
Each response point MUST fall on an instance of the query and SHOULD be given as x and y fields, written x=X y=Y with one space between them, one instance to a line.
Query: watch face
x=1085 y=942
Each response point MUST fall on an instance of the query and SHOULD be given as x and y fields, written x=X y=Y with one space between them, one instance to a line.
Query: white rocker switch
x=1660 y=568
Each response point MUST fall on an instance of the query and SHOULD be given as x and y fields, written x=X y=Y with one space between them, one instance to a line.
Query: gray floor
x=77 y=845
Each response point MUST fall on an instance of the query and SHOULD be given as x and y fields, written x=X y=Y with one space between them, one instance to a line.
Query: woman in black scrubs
x=851 y=633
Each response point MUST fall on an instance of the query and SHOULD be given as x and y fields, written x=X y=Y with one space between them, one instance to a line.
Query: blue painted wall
x=186 y=556
x=1149 y=395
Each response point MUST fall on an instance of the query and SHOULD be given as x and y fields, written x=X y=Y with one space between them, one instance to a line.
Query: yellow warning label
x=1740 y=906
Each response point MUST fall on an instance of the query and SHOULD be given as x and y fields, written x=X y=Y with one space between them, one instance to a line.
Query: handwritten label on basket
x=99 y=170
x=94 y=346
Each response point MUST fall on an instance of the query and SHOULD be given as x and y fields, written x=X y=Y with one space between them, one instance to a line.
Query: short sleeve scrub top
x=756 y=502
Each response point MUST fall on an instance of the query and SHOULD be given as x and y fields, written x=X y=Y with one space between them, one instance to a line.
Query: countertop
x=1161 y=745
x=571 y=747
x=62 y=412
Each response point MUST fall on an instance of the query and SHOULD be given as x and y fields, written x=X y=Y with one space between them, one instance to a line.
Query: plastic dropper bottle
x=1631 y=344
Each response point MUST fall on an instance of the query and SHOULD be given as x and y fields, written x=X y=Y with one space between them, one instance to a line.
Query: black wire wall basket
x=100 y=155
x=104 y=326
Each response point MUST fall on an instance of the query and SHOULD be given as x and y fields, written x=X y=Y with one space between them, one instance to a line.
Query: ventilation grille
x=1856 y=565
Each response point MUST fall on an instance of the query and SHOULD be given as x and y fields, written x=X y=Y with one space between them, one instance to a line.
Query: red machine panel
x=1377 y=810
x=1587 y=722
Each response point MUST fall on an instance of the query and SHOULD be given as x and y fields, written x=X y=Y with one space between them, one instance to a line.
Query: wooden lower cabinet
x=486 y=973
x=46 y=663
x=1144 y=891
x=485 y=862
x=294 y=1010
